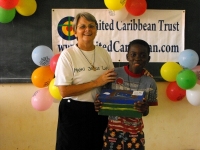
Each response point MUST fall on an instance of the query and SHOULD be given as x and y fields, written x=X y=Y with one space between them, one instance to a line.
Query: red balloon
x=8 y=4
x=136 y=7
x=53 y=62
x=174 y=92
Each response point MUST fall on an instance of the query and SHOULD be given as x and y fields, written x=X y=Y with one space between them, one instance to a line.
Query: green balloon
x=186 y=79
x=7 y=15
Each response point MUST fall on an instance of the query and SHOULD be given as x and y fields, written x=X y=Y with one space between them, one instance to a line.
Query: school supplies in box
x=120 y=102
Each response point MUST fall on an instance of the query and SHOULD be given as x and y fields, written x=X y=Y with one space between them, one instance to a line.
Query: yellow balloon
x=26 y=7
x=169 y=71
x=54 y=91
x=115 y=4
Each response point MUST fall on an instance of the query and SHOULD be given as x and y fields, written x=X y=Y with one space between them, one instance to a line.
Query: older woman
x=80 y=73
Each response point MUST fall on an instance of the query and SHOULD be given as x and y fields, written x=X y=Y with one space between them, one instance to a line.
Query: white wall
x=169 y=126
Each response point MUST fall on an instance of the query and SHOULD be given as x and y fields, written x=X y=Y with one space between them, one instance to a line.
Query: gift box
x=120 y=102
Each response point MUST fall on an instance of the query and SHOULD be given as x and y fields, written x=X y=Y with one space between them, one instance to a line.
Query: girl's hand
x=97 y=104
x=142 y=106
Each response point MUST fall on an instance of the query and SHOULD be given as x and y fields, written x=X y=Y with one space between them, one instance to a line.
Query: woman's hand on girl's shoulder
x=147 y=73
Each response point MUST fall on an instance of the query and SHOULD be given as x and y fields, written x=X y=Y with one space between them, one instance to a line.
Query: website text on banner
x=162 y=29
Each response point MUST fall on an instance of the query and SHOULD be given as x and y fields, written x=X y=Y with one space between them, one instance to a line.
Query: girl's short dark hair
x=140 y=42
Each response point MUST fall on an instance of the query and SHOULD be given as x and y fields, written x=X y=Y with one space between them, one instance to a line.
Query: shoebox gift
x=120 y=102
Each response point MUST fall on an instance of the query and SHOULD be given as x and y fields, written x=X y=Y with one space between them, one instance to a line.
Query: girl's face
x=86 y=30
x=137 y=57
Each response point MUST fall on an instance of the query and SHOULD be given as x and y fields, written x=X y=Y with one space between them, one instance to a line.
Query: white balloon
x=193 y=95
x=118 y=15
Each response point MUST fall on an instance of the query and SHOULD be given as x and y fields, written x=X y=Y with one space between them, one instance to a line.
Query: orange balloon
x=42 y=76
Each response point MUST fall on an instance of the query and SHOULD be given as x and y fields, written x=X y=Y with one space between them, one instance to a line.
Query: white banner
x=164 y=30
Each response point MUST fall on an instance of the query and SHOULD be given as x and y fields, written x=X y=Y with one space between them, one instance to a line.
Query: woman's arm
x=74 y=90
x=147 y=73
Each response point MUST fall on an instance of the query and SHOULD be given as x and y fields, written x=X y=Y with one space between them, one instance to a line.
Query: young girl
x=125 y=133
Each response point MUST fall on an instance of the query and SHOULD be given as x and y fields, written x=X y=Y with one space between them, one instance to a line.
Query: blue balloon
x=188 y=59
x=41 y=55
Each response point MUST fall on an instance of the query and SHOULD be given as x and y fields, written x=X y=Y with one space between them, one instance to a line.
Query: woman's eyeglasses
x=90 y=26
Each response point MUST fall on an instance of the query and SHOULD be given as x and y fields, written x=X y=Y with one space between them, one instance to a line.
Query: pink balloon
x=42 y=99
x=53 y=62
x=197 y=72
x=8 y=4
